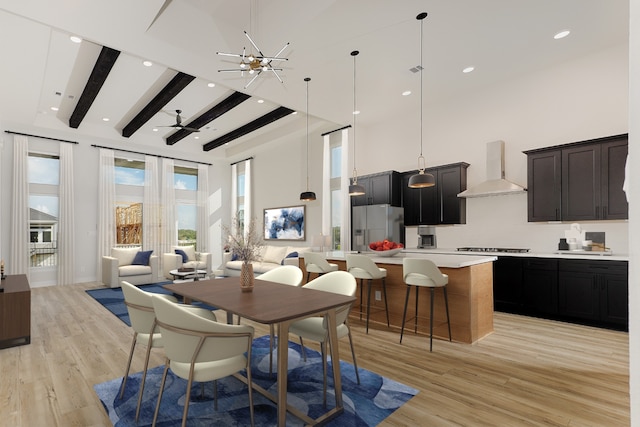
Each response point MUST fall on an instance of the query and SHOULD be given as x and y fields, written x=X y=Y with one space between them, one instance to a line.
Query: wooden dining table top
x=268 y=303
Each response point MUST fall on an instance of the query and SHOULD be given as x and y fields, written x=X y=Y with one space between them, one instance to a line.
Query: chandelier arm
x=253 y=44
x=278 y=54
x=253 y=79
x=275 y=72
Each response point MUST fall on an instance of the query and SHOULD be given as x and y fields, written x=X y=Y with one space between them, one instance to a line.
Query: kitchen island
x=470 y=292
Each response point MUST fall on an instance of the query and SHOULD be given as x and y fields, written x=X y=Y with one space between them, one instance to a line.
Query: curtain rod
x=336 y=130
x=240 y=161
x=147 y=154
x=38 y=136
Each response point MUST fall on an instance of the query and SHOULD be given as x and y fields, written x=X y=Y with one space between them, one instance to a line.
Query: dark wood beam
x=230 y=102
x=174 y=87
x=101 y=69
x=256 y=124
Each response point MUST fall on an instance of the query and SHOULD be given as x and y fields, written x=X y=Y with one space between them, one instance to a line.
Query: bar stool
x=424 y=273
x=362 y=267
x=315 y=262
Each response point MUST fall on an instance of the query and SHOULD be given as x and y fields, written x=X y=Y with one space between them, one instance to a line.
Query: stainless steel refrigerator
x=372 y=223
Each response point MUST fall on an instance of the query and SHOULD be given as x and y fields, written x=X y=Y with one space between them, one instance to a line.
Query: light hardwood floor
x=529 y=372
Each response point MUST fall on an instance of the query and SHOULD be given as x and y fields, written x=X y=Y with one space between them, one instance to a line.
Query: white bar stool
x=362 y=267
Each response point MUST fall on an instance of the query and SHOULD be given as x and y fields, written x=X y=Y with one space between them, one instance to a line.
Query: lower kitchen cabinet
x=540 y=285
x=507 y=284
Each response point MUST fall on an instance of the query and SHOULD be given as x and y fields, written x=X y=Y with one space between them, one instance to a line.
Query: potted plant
x=245 y=245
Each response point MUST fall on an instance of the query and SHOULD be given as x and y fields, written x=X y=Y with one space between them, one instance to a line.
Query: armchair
x=173 y=261
x=131 y=264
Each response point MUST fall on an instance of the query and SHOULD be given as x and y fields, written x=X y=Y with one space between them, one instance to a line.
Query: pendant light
x=421 y=179
x=355 y=189
x=307 y=196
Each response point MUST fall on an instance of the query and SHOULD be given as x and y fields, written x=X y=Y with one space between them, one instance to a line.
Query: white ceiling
x=500 y=38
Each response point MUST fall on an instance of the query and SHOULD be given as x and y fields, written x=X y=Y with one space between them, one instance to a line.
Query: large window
x=186 y=187
x=129 y=177
x=44 y=178
x=336 y=194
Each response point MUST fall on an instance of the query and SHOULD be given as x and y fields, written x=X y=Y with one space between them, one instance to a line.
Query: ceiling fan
x=179 y=125
x=255 y=64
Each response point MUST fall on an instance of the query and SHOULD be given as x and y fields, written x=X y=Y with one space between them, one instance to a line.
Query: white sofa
x=271 y=257
x=120 y=266
x=197 y=260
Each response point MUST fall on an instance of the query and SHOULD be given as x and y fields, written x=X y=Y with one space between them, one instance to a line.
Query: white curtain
x=234 y=198
x=202 y=227
x=169 y=234
x=20 y=208
x=345 y=230
x=326 y=186
x=106 y=205
x=151 y=216
x=66 y=220
x=247 y=195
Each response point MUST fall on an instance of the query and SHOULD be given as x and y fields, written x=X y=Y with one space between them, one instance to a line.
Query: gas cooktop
x=477 y=249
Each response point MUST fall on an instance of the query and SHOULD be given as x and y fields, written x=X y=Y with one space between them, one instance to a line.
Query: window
x=186 y=187
x=44 y=178
x=240 y=185
x=129 y=172
x=336 y=194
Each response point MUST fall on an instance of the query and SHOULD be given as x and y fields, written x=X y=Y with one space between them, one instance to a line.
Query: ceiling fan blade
x=190 y=129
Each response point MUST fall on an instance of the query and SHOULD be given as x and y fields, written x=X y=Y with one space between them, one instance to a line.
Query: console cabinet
x=579 y=181
x=439 y=204
x=380 y=189
x=15 y=311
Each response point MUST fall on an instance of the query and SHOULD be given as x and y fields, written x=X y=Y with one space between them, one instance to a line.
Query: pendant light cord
x=421 y=162
x=307 y=153
x=355 y=171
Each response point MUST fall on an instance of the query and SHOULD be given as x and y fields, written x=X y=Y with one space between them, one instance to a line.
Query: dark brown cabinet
x=507 y=284
x=15 y=311
x=579 y=181
x=380 y=189
x=439 y=204
x=540 y=285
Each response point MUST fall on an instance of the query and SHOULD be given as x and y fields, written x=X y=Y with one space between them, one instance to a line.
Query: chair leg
x=368 y=302
x=404 y=314
x=384 y=292
x=164 y=378
x=271 y=340
x=415 y=319
x=446 y=306
x=361 y=300
x=431 y=322
x=215 y=395
x=323 y=350
x=308 y=276
x=250 y=387
x=187 y=398
x=353 y=353
x=304 y=353
x=144 y=377
x=126 y=373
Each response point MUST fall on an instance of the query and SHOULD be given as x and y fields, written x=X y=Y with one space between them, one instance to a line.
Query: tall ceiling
x=41 y=68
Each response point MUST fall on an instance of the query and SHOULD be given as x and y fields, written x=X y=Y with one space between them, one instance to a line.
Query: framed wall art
x=285 y=223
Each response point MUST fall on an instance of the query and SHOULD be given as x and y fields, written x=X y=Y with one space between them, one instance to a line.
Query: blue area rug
x=113 y=300
x=366 y=404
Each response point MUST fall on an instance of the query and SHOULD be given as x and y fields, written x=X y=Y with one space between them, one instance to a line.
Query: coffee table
x=265 y=305
x=188 y=273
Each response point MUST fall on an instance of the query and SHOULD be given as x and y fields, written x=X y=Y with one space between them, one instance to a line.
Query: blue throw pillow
x=184 y=256
x=234 y=257
x=290 y=255
x=142 y=258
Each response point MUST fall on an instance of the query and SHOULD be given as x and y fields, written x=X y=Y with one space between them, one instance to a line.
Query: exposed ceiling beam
x=177 y=83
x=230 y=102
x=101 y=69
x=256 y=124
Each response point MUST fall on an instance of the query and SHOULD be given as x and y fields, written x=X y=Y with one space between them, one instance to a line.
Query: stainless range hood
x=495 y=184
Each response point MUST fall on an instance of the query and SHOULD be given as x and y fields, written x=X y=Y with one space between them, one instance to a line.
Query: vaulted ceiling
x=103 y=77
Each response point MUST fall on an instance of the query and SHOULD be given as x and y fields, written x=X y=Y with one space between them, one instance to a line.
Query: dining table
x=280 y=305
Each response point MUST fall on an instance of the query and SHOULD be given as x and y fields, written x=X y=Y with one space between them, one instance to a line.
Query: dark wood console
x=15 y=311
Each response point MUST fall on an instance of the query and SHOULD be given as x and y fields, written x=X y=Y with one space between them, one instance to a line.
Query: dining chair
x=145 y=330
x=315 y=328
x=286 y=275
x=420 y=272
x=362 y=267
x=200 y=349
x=315 y=262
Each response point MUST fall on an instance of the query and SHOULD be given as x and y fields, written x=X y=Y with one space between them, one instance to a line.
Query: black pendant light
x=307 y=196
x=421 y=179
x=355 y=189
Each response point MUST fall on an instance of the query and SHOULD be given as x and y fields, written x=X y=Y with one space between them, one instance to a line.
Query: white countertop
x=596 y=256
x=444 y=260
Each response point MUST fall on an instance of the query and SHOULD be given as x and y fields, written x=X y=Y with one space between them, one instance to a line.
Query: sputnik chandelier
x=255 y=64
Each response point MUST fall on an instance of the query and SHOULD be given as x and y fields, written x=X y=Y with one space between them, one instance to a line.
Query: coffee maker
x=426 y=237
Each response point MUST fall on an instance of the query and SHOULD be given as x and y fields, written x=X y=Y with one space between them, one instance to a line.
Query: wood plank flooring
x=529 y=372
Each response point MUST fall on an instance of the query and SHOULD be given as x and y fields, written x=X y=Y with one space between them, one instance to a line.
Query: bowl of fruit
x=386 y=248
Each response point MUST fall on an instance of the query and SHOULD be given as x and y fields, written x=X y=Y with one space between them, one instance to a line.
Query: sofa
x=134 y=265
x=271 y=257
x=187 y=258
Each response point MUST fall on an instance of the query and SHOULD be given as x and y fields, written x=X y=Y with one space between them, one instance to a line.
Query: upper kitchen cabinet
x=579 y=181
x=380 y=189
x=439 y=204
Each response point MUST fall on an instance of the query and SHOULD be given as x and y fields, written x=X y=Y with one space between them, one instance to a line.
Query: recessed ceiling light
x=147 y=63
x=211 y=84
x=105 y=119
x=468 y=69
x=406 y=93
x=562 y=34
x=260 y=101
x=356 y=112
x=54 y=108
x=196 y=137
x=155 y=129
x=295 y=112
x=75 y=39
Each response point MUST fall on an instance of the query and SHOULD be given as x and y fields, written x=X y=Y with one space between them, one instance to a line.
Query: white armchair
x=131 y=264
x=174 y=261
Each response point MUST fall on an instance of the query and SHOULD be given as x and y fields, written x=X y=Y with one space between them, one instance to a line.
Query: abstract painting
x=284 y=223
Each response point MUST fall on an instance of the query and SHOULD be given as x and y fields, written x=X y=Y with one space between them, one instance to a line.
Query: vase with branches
x=245 y=244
